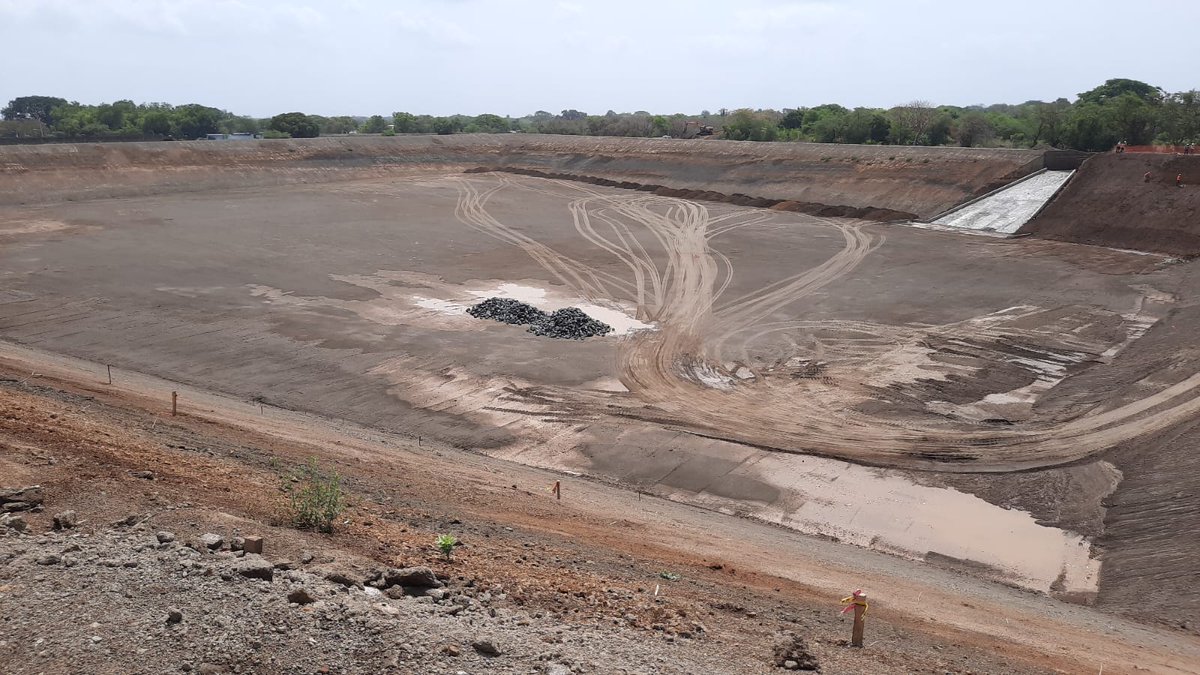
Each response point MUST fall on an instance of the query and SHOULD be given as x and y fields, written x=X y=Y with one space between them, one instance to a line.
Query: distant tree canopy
x=296 y=125
x=1118 y=110
x=33 y=107
x=375 y=124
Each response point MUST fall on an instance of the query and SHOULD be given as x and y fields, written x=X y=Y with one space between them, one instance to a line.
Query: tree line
x=1118 y=110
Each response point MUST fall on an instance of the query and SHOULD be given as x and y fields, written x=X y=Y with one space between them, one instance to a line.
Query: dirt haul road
x=678 y=369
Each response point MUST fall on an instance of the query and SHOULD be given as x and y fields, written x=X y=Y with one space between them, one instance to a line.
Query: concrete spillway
x=1007 y=209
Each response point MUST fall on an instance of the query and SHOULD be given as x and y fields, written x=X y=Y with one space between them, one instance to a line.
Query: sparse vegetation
x=315 y=498
x=446 y=544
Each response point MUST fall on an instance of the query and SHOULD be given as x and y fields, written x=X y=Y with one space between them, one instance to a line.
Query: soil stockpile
x=1109 y=202
x=848 y=179
x=506 y=310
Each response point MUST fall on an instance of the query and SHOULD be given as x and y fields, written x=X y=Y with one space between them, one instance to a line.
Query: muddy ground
x=1014 y=410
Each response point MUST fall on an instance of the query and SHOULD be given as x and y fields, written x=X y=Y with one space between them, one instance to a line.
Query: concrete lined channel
x=1006 y=210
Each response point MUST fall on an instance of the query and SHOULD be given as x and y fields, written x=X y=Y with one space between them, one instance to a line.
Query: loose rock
x=13 y=522
x=65 y=520
x=418 y=577
x=212 y=541
x=569 y=323
x=20 y=499
x=506 y=310
x=794 y=650
x=486 y=647
x=255 y=567
x=164 y=537
x=301 y=596
x=174 y=615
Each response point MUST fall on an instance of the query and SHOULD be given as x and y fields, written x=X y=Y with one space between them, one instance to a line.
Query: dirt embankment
x=922 y=181
x=827 y=210
x=1110 y=203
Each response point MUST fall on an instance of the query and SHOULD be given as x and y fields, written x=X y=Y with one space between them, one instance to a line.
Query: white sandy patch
x=31 y=227
x=440 y=306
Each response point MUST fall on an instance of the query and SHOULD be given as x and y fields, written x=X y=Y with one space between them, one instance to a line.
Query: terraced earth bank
x=989 y=405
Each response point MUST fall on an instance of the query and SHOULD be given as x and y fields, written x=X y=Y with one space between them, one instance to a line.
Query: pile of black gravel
x=569 y=323
x=506 y=310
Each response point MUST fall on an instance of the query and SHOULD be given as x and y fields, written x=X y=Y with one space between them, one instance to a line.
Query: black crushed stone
x=569 y=323
x=506 y=310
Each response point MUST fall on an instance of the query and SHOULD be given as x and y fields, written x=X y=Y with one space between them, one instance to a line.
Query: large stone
x=13 y=522
x=301 y=596
x=344 y=577
x=65 y=520
x=253 y=545
x=164 y=537
x=416 y=577
x=20 y=498
x=255 y=567
x=212 y=541
x=486 y=647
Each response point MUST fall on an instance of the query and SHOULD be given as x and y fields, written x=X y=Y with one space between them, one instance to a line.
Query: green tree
x=489 y=124
x=405 y=123
x=750 y=125
x=1116 y=88
x=793 y=119
x=1180 y=120
x=975 y=130
x=296 y=124
x=156 y=122
x=40 y=108
x=375 y=124
x=195 y=120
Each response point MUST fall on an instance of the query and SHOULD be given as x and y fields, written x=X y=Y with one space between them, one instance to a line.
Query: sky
x=515 y=57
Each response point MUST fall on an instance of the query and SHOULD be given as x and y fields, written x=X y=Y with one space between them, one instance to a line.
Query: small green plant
x=315 y=498
x=389 y=132
x=446 y=542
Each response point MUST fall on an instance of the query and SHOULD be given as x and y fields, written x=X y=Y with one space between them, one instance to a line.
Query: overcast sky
x=513 y=57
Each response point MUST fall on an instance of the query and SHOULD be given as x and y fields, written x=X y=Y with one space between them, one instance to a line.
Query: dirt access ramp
x=1109 y=203
x=920 y=181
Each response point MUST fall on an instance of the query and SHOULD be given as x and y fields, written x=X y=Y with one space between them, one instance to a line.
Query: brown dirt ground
x=71 y=437
x=924 y=181
x=1108 y=203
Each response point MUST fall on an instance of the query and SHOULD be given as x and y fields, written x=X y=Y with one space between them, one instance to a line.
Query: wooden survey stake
x=856 y=602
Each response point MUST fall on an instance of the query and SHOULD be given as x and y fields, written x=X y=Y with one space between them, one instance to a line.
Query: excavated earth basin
x=1011 y=408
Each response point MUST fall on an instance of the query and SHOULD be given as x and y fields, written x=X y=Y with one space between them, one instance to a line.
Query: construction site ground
x=993 y=436
x=589 y=563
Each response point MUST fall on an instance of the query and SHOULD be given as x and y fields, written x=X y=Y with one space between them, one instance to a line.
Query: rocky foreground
x=131 y=599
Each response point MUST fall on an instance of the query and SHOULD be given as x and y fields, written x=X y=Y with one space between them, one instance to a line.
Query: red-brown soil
x=1109 y=203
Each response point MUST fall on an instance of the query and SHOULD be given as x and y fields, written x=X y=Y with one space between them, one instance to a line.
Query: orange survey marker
x=857 y=601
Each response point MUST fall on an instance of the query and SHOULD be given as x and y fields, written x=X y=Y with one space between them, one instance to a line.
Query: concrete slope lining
x=1006 y=210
